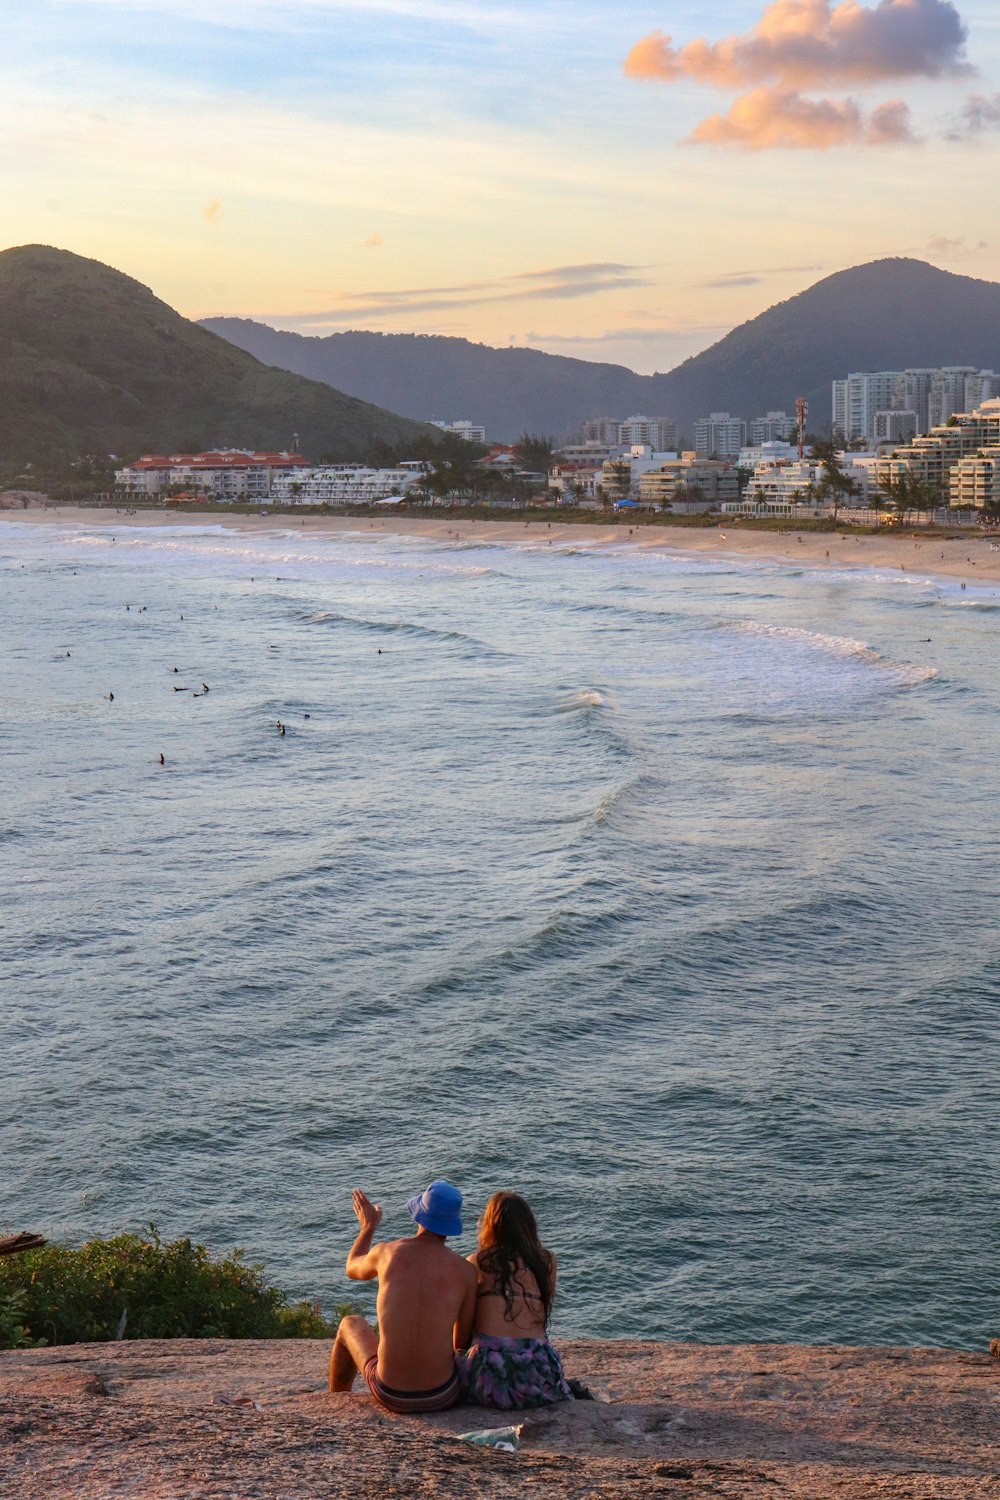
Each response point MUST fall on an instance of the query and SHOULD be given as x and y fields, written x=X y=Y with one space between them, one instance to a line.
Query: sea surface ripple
x=660 y=889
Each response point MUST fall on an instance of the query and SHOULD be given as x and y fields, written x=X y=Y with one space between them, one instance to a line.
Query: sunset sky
x=620 y=181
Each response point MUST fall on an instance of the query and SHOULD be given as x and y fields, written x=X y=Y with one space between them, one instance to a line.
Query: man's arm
x=466 y=1321
x=362 y=1259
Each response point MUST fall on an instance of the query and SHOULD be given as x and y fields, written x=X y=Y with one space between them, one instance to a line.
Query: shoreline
x=969 y=559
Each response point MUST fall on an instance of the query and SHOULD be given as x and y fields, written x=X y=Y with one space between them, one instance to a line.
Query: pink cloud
x=809 y=45
x=767 y=118
x=814 y=44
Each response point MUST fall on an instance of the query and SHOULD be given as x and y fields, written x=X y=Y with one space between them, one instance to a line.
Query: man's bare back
x=423 y=1287
x=426 y=1306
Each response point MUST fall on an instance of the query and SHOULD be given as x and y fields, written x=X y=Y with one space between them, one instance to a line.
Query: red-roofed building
x=225 y=474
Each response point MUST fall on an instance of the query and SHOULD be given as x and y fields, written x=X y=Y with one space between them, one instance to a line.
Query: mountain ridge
x=891 y=313
x=92 y=361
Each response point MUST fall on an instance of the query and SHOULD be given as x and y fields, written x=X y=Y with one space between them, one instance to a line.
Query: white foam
x=846 y=648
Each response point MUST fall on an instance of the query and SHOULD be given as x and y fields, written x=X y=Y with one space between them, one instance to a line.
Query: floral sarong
x=511 y=1373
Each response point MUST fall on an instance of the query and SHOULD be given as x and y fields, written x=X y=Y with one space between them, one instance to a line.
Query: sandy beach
x=972 y=558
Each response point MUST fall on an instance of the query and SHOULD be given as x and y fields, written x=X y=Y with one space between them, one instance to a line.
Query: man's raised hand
x=369 y=1213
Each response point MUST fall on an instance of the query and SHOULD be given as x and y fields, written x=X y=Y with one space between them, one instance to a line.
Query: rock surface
x=225 y=1420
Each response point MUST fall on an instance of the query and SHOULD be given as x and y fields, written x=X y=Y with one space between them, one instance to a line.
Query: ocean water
x=661 y=889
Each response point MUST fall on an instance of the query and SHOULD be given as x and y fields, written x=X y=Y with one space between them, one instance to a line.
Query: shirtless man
x=426 y=1307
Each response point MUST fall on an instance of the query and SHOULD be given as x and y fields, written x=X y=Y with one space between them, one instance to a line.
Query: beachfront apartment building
x=622 y=473
x=974 y=481
x=689 y=483
x=344 y=484
x=930 y=460
x=765 y=455
x=781 y=489
x=220 y=474
x=719 y=435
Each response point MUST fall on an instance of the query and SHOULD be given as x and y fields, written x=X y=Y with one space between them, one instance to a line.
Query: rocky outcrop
x=223 y=1420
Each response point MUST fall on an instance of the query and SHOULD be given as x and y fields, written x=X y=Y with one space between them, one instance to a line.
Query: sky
x=598 y=178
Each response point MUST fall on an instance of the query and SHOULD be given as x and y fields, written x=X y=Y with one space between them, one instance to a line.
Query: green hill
x=92 y=362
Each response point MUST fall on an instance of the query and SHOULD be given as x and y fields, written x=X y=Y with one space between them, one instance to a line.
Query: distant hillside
x=884 y=315
x=425 y=375
x=91 y=361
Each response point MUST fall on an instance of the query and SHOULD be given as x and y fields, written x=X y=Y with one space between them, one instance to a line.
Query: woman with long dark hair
x=510 y=1363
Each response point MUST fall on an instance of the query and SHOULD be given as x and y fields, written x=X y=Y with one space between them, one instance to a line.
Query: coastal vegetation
x=136 y=1286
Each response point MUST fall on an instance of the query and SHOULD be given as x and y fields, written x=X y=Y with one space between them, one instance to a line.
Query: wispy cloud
x=720 y=283
x=558 y=284
x=290 y=13
x=979 y=115
x=812 y=45
x=757 y=274
x=954 y=249
x=656 y=334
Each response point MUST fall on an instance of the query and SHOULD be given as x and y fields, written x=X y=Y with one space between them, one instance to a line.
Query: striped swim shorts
x=438 y=1399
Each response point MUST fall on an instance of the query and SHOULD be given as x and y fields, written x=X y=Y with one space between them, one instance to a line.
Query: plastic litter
x=504 y=1439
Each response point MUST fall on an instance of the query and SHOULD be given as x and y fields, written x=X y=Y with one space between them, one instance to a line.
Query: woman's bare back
x=526 y=1317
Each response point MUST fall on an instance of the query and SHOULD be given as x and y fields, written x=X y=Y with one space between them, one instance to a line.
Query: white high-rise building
x=913 y=393
x=983 y=386
x=463 y=428
x=895 y=426
x=948 y=393
x=719 y=435
x=858 y=398
x=659 y=433
x=775 y=427
x=601 y=430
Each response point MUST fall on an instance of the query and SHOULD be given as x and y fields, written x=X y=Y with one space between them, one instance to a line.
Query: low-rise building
x=576 y=482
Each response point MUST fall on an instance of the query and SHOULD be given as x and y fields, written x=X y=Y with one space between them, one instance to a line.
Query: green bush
x=138 y=1287
x=13 y=1334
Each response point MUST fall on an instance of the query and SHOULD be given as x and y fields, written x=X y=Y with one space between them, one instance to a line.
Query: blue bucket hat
x=438 y=1209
